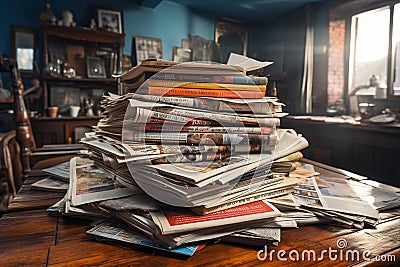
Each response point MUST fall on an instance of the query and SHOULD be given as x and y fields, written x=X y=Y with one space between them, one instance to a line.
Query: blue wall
x=169 y=21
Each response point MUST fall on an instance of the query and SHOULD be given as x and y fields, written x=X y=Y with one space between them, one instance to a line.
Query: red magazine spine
x=203 y=92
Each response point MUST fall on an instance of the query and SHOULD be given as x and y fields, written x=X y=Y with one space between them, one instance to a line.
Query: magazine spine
x=206 y=210
x=206 y=85
x=250 y=212
x=237 y=79
x=185 y=116
x=209 y=103
x=204 y=138
x=169 y=127
x=193 y=92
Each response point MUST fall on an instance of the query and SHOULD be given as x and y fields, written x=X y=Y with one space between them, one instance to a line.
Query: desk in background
x=367 y=149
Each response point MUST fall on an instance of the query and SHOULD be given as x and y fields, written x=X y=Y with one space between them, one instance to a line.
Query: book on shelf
x=196 y=92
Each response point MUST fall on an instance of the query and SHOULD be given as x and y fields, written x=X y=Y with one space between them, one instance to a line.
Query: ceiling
x=245 y=10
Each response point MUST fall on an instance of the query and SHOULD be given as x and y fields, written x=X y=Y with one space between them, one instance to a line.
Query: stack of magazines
x=197 y=158
x=192 y=151
x=195 y=153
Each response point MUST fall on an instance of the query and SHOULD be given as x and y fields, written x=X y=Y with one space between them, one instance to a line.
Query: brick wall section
x=336 y=60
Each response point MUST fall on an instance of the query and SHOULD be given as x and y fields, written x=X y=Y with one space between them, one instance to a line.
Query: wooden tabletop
x=29 y=236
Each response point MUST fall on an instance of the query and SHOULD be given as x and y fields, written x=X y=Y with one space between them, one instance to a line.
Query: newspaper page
x=333 y=194
x=50 y=184
x=90 y=184
x=176 y=221
x=60 y=171
x=121 y=233
x=289 y=142
x=197 y=172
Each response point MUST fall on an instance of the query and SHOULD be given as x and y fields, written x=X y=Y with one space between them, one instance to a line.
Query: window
x=364 y=55
x=396 y=48
x=369 y=46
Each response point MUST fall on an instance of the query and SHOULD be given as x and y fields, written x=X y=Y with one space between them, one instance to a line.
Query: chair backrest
x=10 y=161
x=24 y=134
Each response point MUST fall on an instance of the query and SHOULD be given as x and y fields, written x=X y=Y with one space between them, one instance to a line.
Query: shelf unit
x=76 y=47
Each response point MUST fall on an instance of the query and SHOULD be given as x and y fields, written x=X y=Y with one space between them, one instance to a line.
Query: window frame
x=344 y=10
x=390 y=53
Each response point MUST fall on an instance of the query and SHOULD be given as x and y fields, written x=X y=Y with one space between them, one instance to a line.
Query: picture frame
x=231 y=37
x=95 y=67
x=181 y=54
x=109 y=19
x=144 y=48
x=24 y=48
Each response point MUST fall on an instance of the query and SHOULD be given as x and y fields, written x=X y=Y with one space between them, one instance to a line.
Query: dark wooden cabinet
x=78 y=64
x=366 y=149
x=58 y=130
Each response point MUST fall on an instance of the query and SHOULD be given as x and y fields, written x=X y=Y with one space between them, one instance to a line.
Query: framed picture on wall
x=95 y=67
x=231 y=37
x=109 y=19
x=144 y=48
x=24 y=48
x=181 y=54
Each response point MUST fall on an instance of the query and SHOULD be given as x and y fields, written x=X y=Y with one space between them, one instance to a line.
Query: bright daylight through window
x=369 y=53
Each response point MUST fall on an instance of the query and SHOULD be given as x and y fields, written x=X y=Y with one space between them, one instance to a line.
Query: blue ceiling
x=246 y=10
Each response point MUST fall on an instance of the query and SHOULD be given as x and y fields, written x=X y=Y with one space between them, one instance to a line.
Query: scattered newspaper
x=336 y=199
x=248 y=64
x=118 y=232
x=177 y=221
x=60 y=171
x=50 y=184
x=90 y=184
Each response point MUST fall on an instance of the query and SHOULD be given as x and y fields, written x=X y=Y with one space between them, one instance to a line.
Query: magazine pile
x=196 y=154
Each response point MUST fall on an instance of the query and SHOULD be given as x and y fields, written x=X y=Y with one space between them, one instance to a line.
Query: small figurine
x=89 y=107
x=68 y=19
x=47 y=15
x=93 y=25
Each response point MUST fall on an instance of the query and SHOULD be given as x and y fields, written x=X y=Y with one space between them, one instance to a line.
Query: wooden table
x=29 y=236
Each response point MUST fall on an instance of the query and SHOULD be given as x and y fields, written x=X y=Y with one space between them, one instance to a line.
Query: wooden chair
x=11 y=167
x=30 y=154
